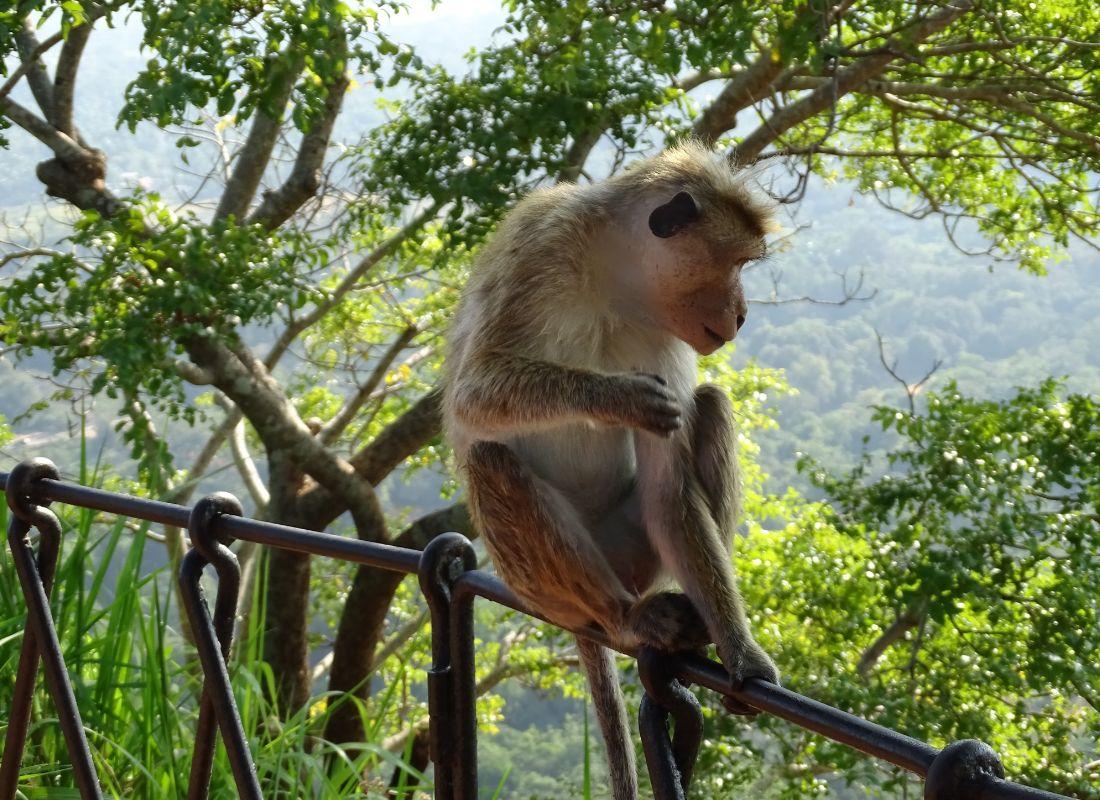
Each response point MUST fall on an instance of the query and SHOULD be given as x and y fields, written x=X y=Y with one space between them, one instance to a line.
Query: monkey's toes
x=747 y=660
x=668 y=621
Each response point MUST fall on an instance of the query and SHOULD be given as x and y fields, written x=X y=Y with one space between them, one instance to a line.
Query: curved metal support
x=970 y=770
x=960 y=768
x=40 y=639
x=212 y=640
x=452 y=723
x=670 y=760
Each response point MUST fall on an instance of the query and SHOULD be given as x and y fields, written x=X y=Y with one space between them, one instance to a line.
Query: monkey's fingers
x=657 y=409
x=662 y=421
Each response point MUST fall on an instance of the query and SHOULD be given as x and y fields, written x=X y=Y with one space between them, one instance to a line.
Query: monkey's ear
x=674 y=216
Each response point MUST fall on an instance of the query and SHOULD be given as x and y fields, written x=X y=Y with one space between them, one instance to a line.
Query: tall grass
x=137 y=687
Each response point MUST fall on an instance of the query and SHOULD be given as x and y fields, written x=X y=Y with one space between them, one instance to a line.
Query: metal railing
x=450 y=581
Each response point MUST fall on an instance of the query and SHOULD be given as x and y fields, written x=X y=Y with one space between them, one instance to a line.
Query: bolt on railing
x=964 y=770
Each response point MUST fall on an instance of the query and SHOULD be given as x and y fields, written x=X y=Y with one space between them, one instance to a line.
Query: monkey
x=596 y=470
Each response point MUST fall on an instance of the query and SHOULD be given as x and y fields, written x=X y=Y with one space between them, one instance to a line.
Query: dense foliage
x=288 y=295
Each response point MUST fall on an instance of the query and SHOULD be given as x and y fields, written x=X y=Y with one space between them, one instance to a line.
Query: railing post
x=465 y=684
x=452 y=721
x=212 y=640
x=669 y=759
x=40 y=638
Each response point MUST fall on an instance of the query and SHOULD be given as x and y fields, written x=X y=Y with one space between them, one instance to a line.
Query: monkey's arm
x=498 y=390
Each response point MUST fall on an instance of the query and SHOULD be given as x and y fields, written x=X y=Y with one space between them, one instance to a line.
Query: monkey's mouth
x=714 y=337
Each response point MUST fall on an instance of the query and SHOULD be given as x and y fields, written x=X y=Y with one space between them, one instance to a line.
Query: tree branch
x=407 y=434
x=844 y=81
x=246 y=381
x=182 y=493
x=242 y=459
x=62 y=145
x=911 y=389
x=193 y=374
x=578 y=152
x=904 y=623
x=403 y=437
x=947 y=152
x=30 y=63
x=77 y=174
x=64 y=80
x=297 y=326
x=998 y=94
x=304 y=180
x=38 y=77
x=28 y=252
x=363 y=619
x=335 y=426
x=745 y=88
x=253 y=157
x=849 y=294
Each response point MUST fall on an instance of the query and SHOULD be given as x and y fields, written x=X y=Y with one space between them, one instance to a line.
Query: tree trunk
x=364 y=617
x=360 y=630
x=286 y=593
x=419 y=757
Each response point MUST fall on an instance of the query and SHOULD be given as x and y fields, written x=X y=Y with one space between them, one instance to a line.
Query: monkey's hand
x=640 y=400
x=744 y=659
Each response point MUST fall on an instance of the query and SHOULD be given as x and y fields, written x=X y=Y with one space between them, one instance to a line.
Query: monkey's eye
x=672 y=217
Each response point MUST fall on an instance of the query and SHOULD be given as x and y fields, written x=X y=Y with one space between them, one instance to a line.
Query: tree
x=982 y=113
x=951 y=591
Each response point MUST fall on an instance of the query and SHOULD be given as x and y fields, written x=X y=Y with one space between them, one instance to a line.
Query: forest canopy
x=270 y=317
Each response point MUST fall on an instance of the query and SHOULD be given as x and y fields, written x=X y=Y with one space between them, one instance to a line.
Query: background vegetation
x=262 y=213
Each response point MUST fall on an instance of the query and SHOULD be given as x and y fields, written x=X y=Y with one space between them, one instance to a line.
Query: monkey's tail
x=607 y=697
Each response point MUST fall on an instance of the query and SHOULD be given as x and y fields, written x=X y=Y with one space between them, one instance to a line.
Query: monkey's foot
x=668 y=621
x=746 y=659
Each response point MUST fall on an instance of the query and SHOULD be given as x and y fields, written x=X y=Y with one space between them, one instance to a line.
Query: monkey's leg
x=715 y=459
x=539 y=544
x=548 y=558
x=714 y=456
x=669 y=620
x=680 y=523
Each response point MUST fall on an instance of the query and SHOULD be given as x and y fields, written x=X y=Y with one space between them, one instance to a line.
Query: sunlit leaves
x=564 y=72
x=226 y=57
x=1001 y=144
x=151 y=282
x=983 y=526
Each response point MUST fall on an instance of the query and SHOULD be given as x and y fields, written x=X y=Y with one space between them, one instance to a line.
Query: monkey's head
x=691 y=242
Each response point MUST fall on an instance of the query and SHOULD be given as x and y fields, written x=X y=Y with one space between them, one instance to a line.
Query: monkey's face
x=693 y=265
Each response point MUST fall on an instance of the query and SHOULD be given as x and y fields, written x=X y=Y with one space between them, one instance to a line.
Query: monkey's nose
x=740 y=321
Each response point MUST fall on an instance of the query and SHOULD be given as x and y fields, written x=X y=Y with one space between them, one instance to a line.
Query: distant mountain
x=993 y=326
